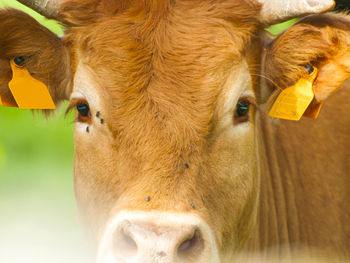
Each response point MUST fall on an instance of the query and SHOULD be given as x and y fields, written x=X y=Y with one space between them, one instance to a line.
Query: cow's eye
x=242 y=111
x=84 y=113
x=19 y=61
x=310 y=69
x=83 y=109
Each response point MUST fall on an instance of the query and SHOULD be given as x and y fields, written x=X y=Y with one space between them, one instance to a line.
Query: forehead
x=172 y=58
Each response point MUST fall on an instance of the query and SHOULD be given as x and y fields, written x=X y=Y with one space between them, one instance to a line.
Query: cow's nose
x=146 y=239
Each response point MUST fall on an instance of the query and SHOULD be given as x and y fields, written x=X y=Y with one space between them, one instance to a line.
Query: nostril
x=187 y=244
x=191 y=246
x=125 y=246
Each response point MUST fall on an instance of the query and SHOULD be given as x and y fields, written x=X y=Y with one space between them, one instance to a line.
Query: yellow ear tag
x=293 y=101
x=29 y=92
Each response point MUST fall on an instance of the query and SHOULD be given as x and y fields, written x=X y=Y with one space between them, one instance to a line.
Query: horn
x=274 y=11
x=47 y=8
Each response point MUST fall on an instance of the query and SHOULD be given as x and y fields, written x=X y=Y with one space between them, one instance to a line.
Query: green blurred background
x=37 y=209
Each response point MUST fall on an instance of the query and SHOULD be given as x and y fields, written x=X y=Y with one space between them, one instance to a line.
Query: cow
x=176 y=159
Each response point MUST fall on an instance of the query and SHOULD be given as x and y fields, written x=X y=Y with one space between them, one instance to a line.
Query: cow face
x=165 y=146
x=170 y=129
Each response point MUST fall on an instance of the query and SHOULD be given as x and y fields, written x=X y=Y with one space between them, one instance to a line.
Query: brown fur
x=164 y=76
x=152 y=74
x=162 y=70
x=304 y=192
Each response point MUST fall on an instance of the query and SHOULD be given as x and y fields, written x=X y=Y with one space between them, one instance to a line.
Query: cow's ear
x=38 y=50
x=320 y=41
x=274 y=11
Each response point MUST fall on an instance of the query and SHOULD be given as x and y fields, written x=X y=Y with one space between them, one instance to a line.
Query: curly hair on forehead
x=76 y=12
x=162 y=58
x=142 y=30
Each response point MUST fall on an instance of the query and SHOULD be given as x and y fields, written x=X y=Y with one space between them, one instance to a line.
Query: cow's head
x=166 y=168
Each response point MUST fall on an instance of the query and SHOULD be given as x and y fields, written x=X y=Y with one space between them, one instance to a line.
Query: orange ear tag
x=29 y=92
x=293 y=101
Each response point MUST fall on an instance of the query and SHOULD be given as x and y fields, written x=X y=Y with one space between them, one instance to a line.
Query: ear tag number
x=29 y=92
x=293 y=101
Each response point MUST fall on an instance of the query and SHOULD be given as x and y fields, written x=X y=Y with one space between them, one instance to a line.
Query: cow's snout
x=139 y=240
x=157 y=237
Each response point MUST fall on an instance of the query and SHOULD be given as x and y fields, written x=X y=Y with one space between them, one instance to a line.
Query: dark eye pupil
x=309 y=69
x=19 y=61
x=83 y=109
x=242 y=108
